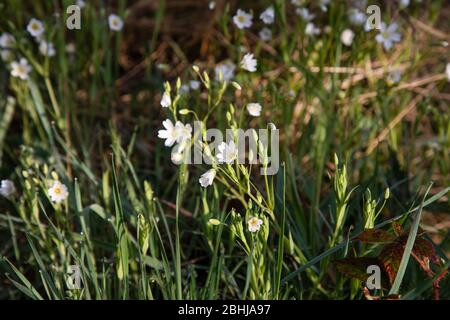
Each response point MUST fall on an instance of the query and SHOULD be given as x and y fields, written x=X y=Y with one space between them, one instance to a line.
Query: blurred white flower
x=296 y=2
x=265 y=34
x=166 y=101
x=388 y=35
x=81 y=3
x=207 y=178
x=174 y=133
x=357 y=17
x=20 y=69
x=46 y=48
x=268 y=15
x=227 y=152
x=404 y=3
x=115 y=22
x=184 y=89
x=249 y=62
x=447 y=71
x=212 y=5
x=35 y=27
x=304 y=14
x=58 y=192
x=254 y=109
x=226 y=69
x=194 y=84
x=324 y=5
x=242 y=19
x=71 y=48
x=7 y=41
x=311 y=29
x=347 y=37
x=395 y=76
x=7 y=188
x=254 y=224
x=6 y=55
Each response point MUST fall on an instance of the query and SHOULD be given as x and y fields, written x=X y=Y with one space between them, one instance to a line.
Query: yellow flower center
x=57 y=190
x=241 y=19
x=34 y=26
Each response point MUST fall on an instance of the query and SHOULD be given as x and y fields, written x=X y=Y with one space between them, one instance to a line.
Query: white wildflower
x=20 y=69
x=226 y=69
x=58 y=192
x=242 y=19
x=304 y=14
x=228 y=153
x=174 y=133
x=254 y=224
x=249 y=62
x=347 y=37
x=311 y=29
x=166 y=101
x=35 y=28
x=115 y=22
x=7 y=41
x=268 y=15
x=388 y=35
x=357 y=17
x=265 y=34
x=254 y=109
x=207 y=178
x=7 y=188
x=46 y=48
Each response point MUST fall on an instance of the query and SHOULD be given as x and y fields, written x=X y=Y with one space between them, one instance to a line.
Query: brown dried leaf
x=375 y=236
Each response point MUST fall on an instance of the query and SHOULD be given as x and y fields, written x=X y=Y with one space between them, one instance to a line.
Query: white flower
x=81 y=3
x=115 y=22
x=447 y=71
x=347 y=37
x=35 y=28
x=304 y=14
x=184 y=132
x=311 y=29
x=249 y=62
x=357 y=17
x=254 y=109
x=268 y=15
x=166 y=101
x=254 y=224
x=6 y=55
x=207 y=178
x=58 y=192
x=20 y=69
x=395 y=76
x=324 y=5
x=227 y=152
x=174 y=133
x=226 y=69
x=46 y=48
x=404 y=3
x=184 y=89
x=212 y=5
x=71 y=48
x=7 y=41
x=7 y=188
x=388 y=35
x=265 y=34
x=242 y=19
x=194 y=84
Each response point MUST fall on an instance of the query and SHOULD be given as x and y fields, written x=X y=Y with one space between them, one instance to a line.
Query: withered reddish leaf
x=391 y=256
x=356 y=268
x=375 y=236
